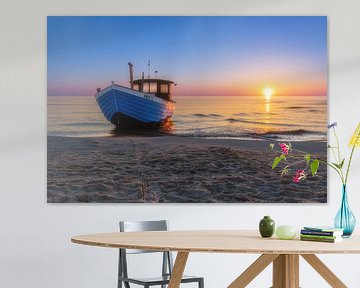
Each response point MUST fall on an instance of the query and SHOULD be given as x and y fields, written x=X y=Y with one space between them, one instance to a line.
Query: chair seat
x=158 y=280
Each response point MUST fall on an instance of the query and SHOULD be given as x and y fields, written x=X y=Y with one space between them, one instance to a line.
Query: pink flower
x=299 y=175
x=284 y=148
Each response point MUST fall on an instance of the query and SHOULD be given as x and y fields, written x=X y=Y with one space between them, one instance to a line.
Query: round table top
x=217 y=241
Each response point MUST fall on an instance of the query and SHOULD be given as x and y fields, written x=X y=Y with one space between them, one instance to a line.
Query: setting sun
x=268 y=92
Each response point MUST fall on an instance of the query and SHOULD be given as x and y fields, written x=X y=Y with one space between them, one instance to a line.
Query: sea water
x=288 y=118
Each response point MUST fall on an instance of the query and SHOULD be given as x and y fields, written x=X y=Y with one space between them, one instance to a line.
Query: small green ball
x=285 y=232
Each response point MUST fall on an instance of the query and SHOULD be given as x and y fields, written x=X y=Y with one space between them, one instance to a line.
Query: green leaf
x=271 y=146
x=307 y=157
x=336 y=165
x=314 y=166
x=339 y=166
x=277 y=161
x=342 y=163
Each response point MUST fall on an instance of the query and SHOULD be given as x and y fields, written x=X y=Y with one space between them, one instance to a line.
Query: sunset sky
x=203 y=55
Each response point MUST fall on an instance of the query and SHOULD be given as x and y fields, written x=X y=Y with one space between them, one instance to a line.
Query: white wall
x=35 y=248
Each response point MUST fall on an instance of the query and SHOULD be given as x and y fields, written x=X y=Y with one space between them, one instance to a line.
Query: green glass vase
x=266 y=227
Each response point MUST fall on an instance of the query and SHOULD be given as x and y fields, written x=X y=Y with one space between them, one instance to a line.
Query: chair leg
x=201 y=283
x=120 y=273
x=164 y=266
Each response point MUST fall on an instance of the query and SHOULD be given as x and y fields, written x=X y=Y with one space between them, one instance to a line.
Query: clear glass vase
x=345 y=219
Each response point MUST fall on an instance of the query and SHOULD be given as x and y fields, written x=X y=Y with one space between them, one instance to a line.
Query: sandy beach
x=173 y=169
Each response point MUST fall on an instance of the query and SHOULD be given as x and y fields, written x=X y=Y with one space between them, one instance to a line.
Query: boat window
x=164 y=88
x=153 y=87
x=145 y=88
x=171 y=89
x=136 y=87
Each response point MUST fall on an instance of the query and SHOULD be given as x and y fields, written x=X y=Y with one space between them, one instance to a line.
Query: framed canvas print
x=157 y=109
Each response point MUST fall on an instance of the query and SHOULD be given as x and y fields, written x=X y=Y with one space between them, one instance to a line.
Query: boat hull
x=126 y=108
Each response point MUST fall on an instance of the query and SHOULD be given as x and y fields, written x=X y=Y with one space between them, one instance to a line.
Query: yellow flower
x=355 y=138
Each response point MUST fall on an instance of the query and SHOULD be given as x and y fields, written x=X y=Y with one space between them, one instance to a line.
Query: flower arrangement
x=309 y=163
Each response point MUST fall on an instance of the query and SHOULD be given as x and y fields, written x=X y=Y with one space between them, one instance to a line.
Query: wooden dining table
x=283 y=254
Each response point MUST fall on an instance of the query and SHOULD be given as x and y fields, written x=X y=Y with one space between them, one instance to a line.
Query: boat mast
x=149 y=74
x=131 y=71
x=142 y=81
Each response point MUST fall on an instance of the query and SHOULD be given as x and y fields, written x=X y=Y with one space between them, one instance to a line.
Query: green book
x=319 y=236
x=325 y=240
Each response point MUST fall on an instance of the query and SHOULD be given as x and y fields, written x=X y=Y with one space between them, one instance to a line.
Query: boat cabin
x=158 y=87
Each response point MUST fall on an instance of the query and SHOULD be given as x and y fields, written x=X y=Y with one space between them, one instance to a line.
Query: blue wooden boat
x=146 y=103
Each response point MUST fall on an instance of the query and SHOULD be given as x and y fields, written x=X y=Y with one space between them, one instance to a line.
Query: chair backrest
x=137 y=226
x=133 y=226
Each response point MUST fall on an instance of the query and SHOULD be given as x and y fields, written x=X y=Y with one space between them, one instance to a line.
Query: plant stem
x=348 y=167
x=326 y=163
x=302 y=152
x=305 y=153
x=299 y=161
x=338 y=149
x=338 y=145
x=336 y=169
x=350 y=159
x=333 y=152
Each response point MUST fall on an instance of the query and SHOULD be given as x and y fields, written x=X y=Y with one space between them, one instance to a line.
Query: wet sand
x=172 y=169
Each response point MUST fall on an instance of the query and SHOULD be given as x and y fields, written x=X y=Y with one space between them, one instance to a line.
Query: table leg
x=286 y=271
x=178 y=269
x=324 y=271
x=253 y=270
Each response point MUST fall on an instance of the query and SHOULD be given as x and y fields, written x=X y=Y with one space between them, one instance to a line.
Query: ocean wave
x=294 y=135
x=297 y=107
x=254 y=113
x=206 y=115
x=86 y=124
x=234 y=120
x=291 y=132
x=241 y=114
x=212 y=135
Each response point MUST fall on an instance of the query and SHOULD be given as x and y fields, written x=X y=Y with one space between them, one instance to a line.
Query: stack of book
x=321 y=234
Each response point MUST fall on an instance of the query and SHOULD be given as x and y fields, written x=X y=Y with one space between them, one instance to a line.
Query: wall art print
x=155 y=109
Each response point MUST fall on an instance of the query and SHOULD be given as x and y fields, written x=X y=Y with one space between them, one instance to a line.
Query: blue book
x=322 y=231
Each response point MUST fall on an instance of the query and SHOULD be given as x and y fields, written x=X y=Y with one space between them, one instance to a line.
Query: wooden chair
x=167 y=265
